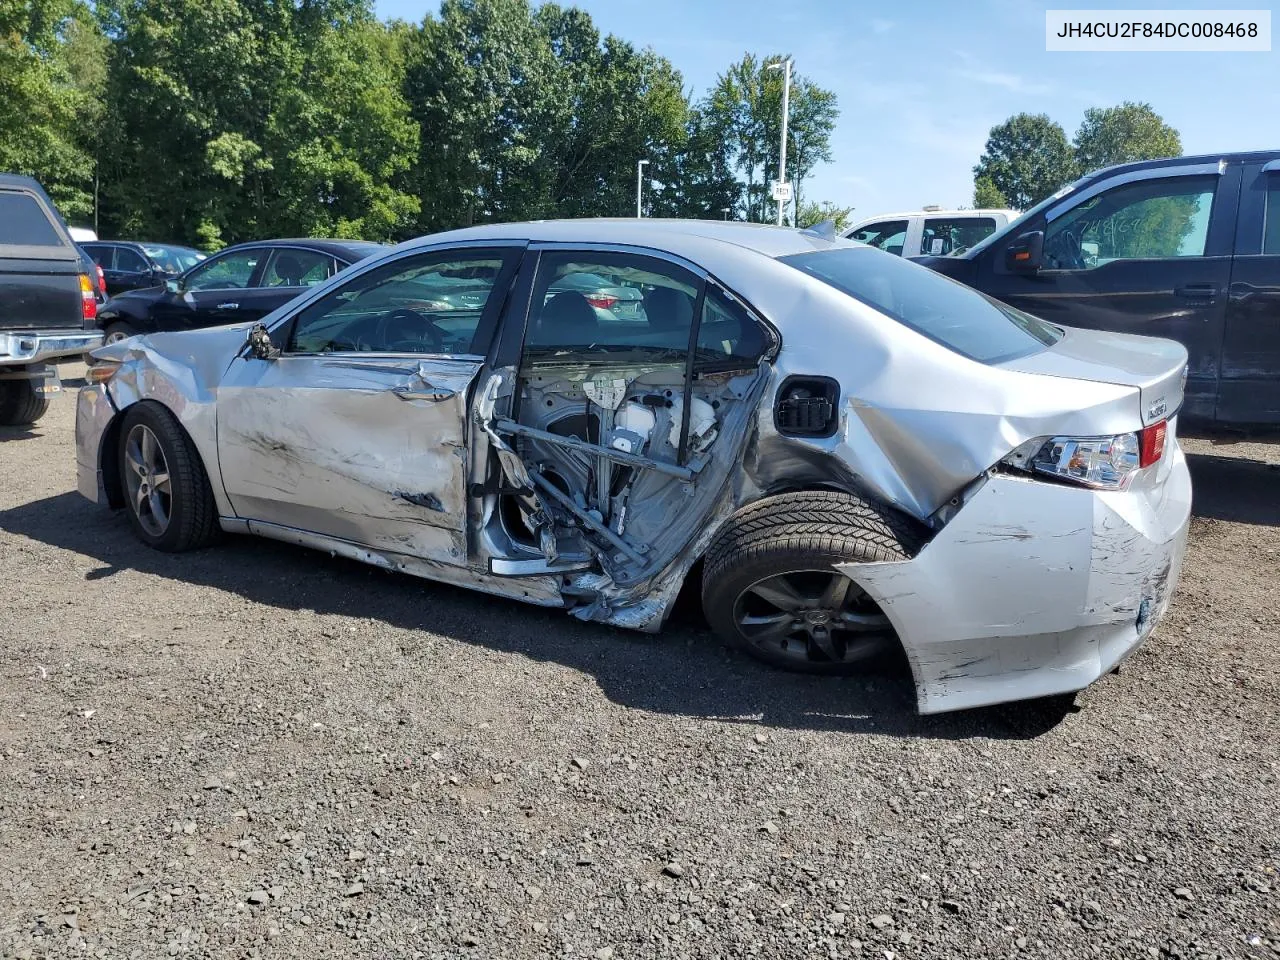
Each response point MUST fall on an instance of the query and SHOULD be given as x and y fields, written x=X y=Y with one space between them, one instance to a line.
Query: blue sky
x=921 y=82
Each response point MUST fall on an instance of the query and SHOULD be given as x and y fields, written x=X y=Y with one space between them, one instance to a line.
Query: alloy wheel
x=811 y=615
x=147 y=477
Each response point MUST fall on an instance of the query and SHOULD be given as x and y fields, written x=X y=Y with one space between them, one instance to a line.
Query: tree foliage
x=745 y=105
x=1131 y=131
x=216 y=121
x=808 y=214
x=1026 y=159
x=47 y=107
x=986 y=195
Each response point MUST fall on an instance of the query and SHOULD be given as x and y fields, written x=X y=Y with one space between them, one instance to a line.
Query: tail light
x=1104 y=463
x=1151 y=442
x=88 y=300
x=602 y=300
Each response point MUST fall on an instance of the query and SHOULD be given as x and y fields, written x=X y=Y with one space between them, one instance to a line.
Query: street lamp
x=640 y=165
x=782 y=150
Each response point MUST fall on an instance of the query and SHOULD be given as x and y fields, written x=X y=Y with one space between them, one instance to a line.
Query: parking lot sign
x=781 y=191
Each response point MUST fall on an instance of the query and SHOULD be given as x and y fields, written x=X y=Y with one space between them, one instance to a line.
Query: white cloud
x=1007 y=81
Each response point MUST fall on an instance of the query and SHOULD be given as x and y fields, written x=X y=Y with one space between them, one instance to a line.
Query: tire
x=20 y=404
x=178 y=513
x=770 y=588
x=119 y=330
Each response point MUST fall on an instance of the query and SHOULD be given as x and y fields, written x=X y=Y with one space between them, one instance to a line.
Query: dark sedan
x=244 y=282
x=132 y=265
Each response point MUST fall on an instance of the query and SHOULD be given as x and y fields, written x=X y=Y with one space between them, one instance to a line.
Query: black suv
x=129 y=265
x=244 y=282
x=1186 y=248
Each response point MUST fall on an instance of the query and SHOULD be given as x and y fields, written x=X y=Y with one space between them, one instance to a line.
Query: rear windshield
x=23 y=222
x=947 y=312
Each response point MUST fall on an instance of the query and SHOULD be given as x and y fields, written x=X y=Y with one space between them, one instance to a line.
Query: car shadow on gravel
x=1235 y=489
x=685 y=671
x=17 y=433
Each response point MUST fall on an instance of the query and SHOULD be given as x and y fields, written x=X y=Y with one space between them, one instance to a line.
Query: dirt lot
x=261 y=751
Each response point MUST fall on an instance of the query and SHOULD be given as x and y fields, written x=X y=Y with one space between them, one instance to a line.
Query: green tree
x=478 y=83
x=238 y=119
x=746 y=104
x=986 y=195
x=1026 y=158
x=44 y=110
x=1131 y=131
x=808 y=214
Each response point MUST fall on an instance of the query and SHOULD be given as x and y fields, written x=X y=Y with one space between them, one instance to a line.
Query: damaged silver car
x=847 y=450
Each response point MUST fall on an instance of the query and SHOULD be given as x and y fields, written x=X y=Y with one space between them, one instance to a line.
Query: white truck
x=931 y=231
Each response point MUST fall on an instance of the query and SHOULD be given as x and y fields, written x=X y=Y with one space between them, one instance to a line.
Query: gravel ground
x=261 y=751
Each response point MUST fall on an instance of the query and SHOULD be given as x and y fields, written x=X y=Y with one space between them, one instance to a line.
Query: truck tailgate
x=39 y=294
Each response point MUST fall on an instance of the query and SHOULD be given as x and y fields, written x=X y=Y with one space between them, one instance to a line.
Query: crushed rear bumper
x=1036 y=588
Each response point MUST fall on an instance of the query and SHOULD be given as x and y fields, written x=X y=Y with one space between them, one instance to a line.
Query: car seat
x=289 y=270
x=566 y=320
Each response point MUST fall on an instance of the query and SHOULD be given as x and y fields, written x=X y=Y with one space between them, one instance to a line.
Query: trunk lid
x=1157 y=367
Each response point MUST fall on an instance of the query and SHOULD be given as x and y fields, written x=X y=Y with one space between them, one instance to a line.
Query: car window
x=227 y=272
x=130 y=261
x=24 y=223
x=728 y=331
x=101 y=255
x=948 y=236
x=609 y=304
x=888 y=235
x=431 y=303
x=949 y=313
x=1271 y=227
x=297 y=268
x=1147 y=219
x=173 y=259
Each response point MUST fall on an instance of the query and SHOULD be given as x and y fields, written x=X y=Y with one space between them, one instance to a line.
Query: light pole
x=782 y=150
x=640 y=165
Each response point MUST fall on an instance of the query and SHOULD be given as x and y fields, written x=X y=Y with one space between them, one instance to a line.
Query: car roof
x=939 y=212
x=683 y=238
x=18 y=180
x=347 y=249
x=1244 y=157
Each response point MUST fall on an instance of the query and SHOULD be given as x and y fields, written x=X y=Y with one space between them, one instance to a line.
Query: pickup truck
x=48 y=303
x=944 y=233
x=1186 y=248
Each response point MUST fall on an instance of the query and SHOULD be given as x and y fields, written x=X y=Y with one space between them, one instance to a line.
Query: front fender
x=182 y=372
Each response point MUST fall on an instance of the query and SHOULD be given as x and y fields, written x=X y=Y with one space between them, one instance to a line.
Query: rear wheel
x=771 y=586
x=166 y=489
x=20 y=404
x=118 y=331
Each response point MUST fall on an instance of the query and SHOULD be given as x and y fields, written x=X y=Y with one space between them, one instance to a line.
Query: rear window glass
x=946 y=312
x=24 y=223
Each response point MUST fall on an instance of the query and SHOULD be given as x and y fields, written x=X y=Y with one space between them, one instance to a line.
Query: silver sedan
x=847 y=450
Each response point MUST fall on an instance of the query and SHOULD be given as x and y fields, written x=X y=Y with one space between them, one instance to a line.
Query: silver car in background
x=850 y=451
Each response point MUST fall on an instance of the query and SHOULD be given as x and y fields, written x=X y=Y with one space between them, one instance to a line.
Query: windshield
x=949 y=313
x=1012 y=229
x=172 y=259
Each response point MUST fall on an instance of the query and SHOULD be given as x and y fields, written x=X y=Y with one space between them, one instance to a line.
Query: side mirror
x=259 y=343
x=173 y=286
x=1025 y=254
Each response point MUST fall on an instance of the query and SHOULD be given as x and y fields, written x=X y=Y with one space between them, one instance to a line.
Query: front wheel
x=20 y=404
x=167 y=492
x=771 y=586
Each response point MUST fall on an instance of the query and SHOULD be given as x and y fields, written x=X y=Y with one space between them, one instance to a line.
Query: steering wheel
x=409 y=328
x=1068 y=252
